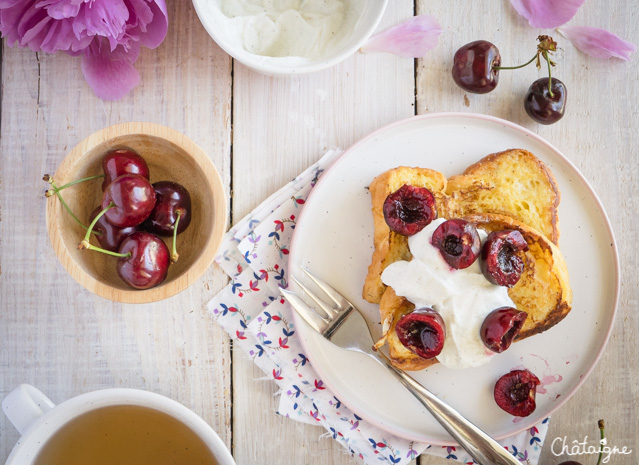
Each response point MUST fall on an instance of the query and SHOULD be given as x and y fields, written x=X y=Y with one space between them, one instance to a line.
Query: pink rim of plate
x=523 y=426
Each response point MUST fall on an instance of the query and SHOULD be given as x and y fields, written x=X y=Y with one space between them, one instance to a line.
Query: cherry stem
x=174 y=254
x=601 y=429
x=549 y=75
x=56 y=190
x=517 y=67
x=545 y=54
x=78 y=181
x=85 y=244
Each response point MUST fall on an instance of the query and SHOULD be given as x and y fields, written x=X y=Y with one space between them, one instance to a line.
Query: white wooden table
x=65 y=340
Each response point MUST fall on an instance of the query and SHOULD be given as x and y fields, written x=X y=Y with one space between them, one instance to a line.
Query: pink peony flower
x=106 y=33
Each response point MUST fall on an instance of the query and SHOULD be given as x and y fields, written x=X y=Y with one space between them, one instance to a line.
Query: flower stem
x=174 y=254
x=517 y=67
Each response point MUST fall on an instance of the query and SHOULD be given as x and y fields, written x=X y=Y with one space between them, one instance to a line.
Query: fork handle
x=481 y=447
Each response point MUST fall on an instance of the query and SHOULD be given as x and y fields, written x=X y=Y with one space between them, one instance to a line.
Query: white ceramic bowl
x=225 y=32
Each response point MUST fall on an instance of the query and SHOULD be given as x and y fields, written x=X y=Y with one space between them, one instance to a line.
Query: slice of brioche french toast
x=543 y=290
x=513 y=183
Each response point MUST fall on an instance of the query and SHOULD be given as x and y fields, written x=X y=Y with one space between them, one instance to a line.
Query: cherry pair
x=476 y=69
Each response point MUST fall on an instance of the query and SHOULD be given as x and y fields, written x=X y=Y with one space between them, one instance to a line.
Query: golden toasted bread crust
x=543 y=290
x=392 y=308
x=390 y=246
x=514 y=183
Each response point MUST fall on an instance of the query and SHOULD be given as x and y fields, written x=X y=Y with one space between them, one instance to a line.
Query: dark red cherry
x=515 y=392
x=409 y=209
x=458 y=242
x=171 y=198
x=474 y=67
x=147 y=263
x=501 y=261
x=422 y=331
x=501 y=327
x=133 y=198
x=109 y=236
x=123 y=161
x=541 y=106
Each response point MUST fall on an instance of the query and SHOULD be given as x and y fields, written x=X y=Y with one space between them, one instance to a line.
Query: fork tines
x=338 y=299
x=328 y=310
x=321 y=315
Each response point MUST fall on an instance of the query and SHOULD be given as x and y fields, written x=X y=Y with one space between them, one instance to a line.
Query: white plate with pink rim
x=333 y=239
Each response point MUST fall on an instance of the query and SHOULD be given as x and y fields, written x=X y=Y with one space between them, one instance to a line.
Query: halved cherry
x=422 y=331
x=501 y=261
x=501 y=327
x=515 y=392
x=409 y=209
x=458 y=242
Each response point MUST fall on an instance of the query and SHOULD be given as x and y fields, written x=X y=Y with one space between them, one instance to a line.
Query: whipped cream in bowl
x=462 y=297
x=292 y=28
x=288 y=37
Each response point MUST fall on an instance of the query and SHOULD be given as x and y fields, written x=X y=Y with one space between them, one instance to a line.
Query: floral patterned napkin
x=254 y=254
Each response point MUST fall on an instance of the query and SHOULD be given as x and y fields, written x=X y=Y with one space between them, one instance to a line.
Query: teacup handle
x=24 y=405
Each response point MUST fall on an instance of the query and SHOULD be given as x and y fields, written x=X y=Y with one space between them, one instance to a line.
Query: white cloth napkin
x=254 y=253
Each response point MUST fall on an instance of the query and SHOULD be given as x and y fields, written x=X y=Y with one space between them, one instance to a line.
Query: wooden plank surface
x=260 y=132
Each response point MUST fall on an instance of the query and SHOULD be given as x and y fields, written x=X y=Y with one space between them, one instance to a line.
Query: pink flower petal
x=33 y=28
x=10 y=14
x=110 y=74
x=60 y=36
x=547 y=13
x=156 y=29
x=60 y=9
x=107 y=18
x=411 y=39
x=598 y=43
x=149 y=21
x=9 y=3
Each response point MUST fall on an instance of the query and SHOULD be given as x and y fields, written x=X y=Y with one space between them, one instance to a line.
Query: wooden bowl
x=171 y=156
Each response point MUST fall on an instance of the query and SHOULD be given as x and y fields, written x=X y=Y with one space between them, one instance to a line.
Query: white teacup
x=82 y=420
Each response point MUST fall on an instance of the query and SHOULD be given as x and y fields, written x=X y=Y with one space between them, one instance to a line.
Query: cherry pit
x=131 y=217
x=476 y=68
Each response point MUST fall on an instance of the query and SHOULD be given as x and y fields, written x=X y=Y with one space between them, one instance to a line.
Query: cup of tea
x=109 y=426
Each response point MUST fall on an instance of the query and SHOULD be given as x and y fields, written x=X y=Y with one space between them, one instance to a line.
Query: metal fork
x=341 y=323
